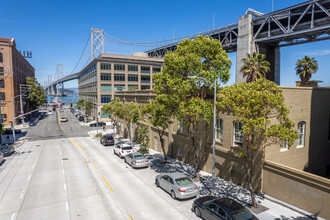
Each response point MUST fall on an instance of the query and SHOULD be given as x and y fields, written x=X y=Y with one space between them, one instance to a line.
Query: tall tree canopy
x=188 y=73
x=305 y=67
x=85 y=103
x=36 y=95
x=255 y=67
x=260 y=107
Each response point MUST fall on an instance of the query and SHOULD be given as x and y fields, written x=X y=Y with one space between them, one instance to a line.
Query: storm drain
x=65 y=158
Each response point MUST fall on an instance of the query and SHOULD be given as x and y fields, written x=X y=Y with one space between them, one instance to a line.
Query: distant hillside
x=73 y=89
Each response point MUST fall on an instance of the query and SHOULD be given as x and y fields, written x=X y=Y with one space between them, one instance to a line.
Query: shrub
x=99 y=135
x=143 y=150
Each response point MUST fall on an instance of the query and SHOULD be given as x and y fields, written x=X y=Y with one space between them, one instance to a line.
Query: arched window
x=301 y=134
x=1 y=58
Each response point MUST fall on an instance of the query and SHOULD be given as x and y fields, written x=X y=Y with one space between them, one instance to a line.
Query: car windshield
x=139 y=157
x=5 y=148
x=242 y=214
x=183 y=181
x=127 y=148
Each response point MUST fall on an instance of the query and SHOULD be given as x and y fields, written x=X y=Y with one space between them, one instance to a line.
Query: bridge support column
x=246 y=44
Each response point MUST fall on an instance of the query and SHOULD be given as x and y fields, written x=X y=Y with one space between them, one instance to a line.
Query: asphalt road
x=62 y=173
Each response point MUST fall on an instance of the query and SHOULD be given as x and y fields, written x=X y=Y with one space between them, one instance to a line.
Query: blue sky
x=56 y=31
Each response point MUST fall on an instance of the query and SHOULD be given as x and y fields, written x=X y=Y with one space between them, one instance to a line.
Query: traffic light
x=71 y=105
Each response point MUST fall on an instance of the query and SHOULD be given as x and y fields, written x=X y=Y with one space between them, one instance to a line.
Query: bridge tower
x=59 y=75
x=246 y=44
x=97 y=42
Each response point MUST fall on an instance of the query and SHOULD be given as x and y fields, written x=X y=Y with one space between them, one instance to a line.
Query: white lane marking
x=67 y=206
x=13 y=216
x=62 y=162
x=63 y=172
x=22 y=195
x=64 y=186
x=34 y=165
x=29 y=177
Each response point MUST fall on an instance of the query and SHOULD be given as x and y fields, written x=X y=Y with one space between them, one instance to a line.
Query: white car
x=64 y=119
x=123 y=149
x=2 y=157
x=50 y=112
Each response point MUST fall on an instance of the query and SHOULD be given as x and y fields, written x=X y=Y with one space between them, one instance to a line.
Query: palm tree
x=305 y=68
x=255 y=67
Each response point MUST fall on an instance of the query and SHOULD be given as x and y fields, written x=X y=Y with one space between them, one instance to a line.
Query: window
x=119 y=77
x=180 y=127
x=145 y=79
x=132 y=68
x=105 y=66
x=1 y=58
x=104 y=115
x=145 y=87
x=156 y=70
x=4 y=117
x=105 y=76
x=2 y=83
x=301 y=134
x=105 y=98
x=2 y=96
x=133 y=78
x=284 y=146
x=119 y=88
x=238 y=136
x=219 y=129
x=133 y=87
x=105 y=88
x=119 y=67
x=1 y=71
x=145 y=69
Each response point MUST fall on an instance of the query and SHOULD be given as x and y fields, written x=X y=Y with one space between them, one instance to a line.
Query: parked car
x=107 y=139
x=2 y=157
x=177 y=184
x=123 y=149
x=64 y=119
x=136 y=160
x=10 y=131
x=99 y=124
x=211 y=207
x=81 y=118
x=7 y=150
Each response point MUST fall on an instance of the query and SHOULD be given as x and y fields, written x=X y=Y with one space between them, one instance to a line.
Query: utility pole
x=85 y=108
x=13 y=118
x=0 y=125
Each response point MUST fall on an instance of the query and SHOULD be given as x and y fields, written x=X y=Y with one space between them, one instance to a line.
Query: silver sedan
x=136 y=160
x=177 y=184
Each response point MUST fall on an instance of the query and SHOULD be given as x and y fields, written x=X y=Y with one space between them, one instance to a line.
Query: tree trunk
x=249 y=179
x=194 y=138
x=163 y=148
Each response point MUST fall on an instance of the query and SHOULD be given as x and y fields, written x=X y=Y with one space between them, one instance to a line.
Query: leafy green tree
x=255 y=67
x=130 y=112
x=36 y=94
x=185 y=81
x=260 y=107
x=89 y=105
x=143 y=138
x=160 y=115
x=305 y=67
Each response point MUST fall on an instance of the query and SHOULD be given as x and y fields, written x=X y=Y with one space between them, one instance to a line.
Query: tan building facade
x=14 y=69
x=278 y=174
x=108 y=74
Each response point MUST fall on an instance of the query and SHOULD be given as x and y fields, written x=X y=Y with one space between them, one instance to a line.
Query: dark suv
x=107 y=139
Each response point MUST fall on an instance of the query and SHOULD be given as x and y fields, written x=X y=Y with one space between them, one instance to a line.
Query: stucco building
x=14 y=69
x=108 y=74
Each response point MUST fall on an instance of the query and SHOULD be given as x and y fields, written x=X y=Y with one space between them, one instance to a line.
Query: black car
x=10 y=131
x=100 y=124
x=107 y=139
x=214 y=208
x=81 y=118
x=7 y=150
x=32 y=123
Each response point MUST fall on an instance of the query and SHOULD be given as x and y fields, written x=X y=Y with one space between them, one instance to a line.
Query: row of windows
x=130 y=68
x=1 y=71
x=238 y=135
x=2 y=83
x=1 y=58
x=122 y=77
x=105 y=88
x=90 y=70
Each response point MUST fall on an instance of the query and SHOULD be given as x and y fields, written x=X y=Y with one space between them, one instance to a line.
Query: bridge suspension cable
x=81 y=55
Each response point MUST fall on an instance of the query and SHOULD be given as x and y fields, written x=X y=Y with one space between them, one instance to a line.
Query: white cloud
x=318 y=52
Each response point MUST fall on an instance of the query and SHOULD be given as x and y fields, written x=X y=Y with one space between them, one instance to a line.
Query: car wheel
x=173 y=194
x=157 y=183
x=114 y=152
x=197 y=211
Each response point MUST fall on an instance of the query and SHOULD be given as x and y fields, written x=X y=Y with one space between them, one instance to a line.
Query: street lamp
x=214 y=122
